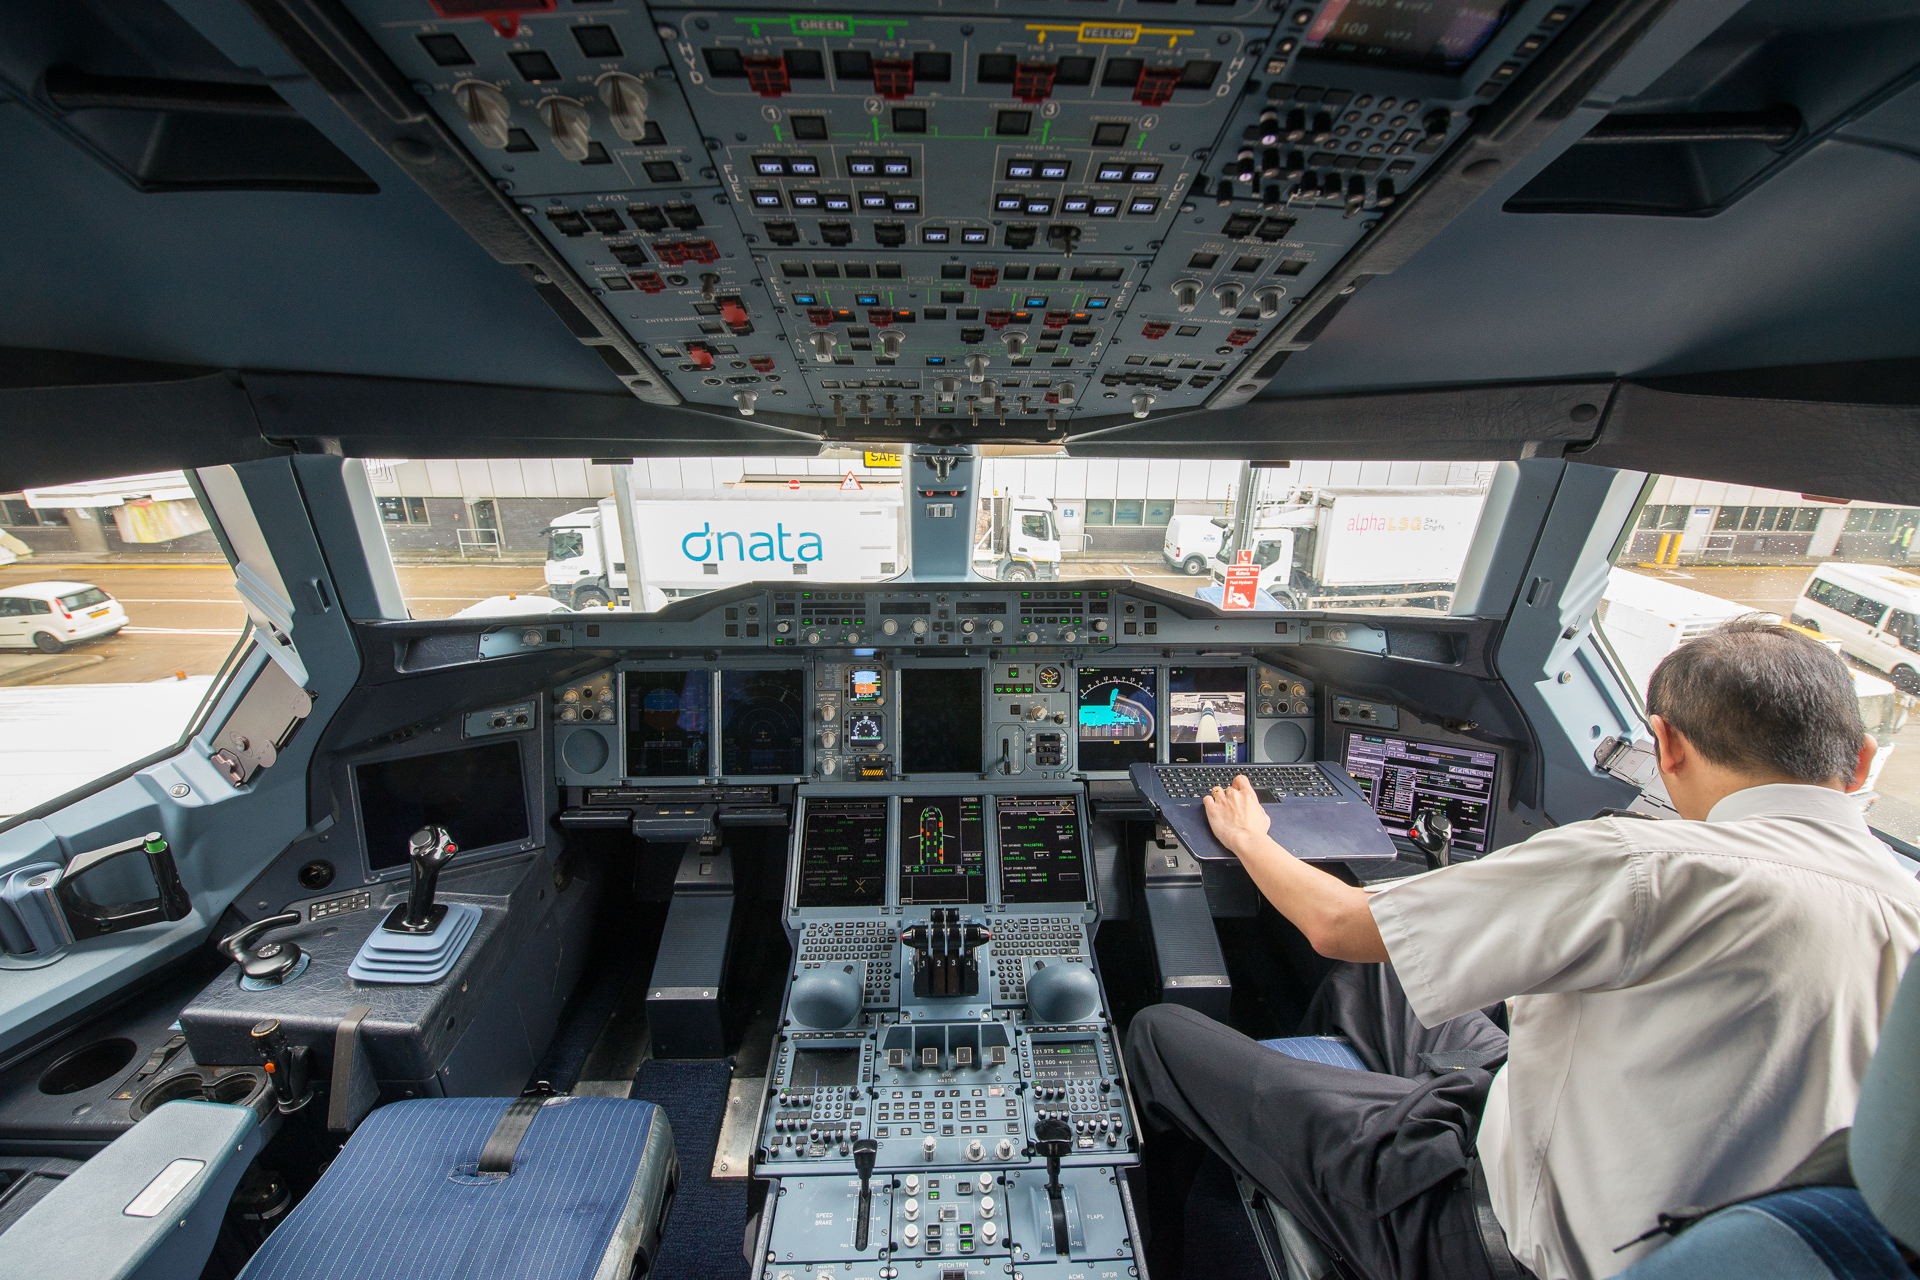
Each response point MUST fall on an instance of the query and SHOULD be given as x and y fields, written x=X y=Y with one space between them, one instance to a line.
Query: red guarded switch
x=768 y=76
x=893 y=79
x=670 y=252
x=701 y=354
x=1033 y=81
x=761 y=364
x=1156 y=85
x=820 y=316
x=999 y=319
x=1058 y=319
x=734 y=312
x=880 y=317
x=983 y=277
x=648 y=282
x=701 y=251
x=1241 y=337
x=1155 y=329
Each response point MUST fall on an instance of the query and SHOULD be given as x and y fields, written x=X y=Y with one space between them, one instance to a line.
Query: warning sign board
x=851 y=482
x=1242 y=587
x=882 y=459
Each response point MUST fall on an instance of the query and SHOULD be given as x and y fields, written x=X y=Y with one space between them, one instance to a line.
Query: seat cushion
x=404 y=1199
x=1335 y=1051
x=1810 y=1233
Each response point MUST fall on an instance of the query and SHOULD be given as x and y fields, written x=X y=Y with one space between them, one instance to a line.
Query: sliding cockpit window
x=118 y=615
x=507 y=537
x=1700 y=552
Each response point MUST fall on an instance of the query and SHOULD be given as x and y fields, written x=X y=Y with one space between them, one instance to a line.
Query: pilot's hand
x=1236 y=815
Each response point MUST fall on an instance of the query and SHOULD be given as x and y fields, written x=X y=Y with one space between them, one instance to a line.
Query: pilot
x=1692 y=1003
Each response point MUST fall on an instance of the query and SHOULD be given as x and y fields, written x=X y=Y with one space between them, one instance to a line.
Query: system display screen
x=1402 y=776
x=941 y=710
x=843 y=854
x=763 y=721
x=1432 y=35
x=825 y=1068
x=668 y=722
x=1207 y=715
x=476 y=793
x=863 y=684
x=1065 y=1060
x=1040 y=855
x=1117 y=717
x=943 y=850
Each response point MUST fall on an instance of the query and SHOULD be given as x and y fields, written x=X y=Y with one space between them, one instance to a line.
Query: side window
x=1034 y=526
x=1820 y=592
x=1901 y=627
x=1868 y=611
x=91 y=688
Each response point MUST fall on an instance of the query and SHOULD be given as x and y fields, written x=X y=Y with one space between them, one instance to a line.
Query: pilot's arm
x=1332 y=914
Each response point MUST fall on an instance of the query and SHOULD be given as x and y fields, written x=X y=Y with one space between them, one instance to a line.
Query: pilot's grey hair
x=1762 y=698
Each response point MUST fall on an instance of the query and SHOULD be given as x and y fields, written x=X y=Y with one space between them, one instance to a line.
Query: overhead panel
x=1007 y=221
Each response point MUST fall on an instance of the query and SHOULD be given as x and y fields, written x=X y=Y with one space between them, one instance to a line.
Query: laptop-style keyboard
x=1192 y=781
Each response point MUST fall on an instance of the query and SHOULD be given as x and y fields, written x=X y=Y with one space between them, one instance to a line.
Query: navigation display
x=1207 y=715
x=943 y=850
x=763 y=720
x=1117 y=717
x=1402 y=776
x=1040 y=855
x=668 y=714
x=1433 y=35
x=843 y=854
x=940 y=719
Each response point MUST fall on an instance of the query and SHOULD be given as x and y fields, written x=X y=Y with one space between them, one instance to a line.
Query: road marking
x=173 y=631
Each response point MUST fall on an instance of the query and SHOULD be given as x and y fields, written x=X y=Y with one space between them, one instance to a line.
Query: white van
x=49 y=616
x=1192 y=541
x=1873 y=610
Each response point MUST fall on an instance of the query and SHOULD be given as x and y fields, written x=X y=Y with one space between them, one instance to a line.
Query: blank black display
x=667 y=718
x=825 y=1068
x=476 y=793
x=940 y=713
x=843 y=854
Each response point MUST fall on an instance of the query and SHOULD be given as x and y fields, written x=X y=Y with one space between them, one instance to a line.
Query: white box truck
x=1016 y=539
x=1329 y=548
x=692 y=541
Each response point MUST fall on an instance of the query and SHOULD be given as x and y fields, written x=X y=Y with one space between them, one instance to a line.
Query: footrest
x=416 y=958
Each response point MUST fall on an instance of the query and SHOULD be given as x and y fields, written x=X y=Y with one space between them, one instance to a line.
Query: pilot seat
x=532 y=1188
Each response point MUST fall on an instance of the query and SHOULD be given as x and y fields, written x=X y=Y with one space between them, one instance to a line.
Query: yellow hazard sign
x=882 y=459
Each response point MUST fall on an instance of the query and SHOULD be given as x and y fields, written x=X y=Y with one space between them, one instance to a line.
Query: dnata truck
x=1325 y=547
x=1017 y=539
x=692 y=541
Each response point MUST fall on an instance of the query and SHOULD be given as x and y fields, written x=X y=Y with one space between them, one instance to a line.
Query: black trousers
x=1373 y=1163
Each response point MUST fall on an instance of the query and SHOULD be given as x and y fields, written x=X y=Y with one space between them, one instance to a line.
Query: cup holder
x=240 y=1086
x=84 y=1068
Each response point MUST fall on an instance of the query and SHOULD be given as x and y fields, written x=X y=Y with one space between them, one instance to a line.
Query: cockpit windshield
x=529 y=535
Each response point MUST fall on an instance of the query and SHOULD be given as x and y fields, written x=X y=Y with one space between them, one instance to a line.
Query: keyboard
x=1274 y=781
x=1316 y=810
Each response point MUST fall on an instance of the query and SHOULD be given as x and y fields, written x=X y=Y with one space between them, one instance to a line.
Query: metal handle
x=90 y=919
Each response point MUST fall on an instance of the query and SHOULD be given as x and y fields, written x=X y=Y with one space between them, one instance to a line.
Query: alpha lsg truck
x=1323 y=548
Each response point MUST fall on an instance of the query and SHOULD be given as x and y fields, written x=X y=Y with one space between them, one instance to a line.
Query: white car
x=49 y=616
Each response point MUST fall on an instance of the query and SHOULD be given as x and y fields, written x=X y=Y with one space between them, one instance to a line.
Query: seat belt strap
x=1500 y=1260
x=496 y=1158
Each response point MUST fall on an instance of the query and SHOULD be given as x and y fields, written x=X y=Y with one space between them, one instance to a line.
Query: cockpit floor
x=707 y=1229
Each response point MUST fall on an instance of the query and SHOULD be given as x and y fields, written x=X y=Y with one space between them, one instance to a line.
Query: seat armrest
x=147 y=1207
